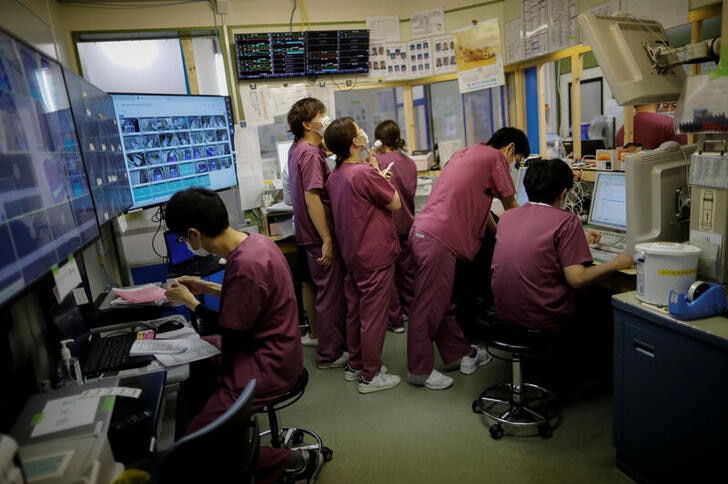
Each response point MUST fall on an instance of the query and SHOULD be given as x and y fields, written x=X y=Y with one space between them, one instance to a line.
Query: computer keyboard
x=111 y=354
x=612 y=241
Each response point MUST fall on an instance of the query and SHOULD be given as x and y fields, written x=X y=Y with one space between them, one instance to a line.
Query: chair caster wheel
x=476 y=406
x=496 y=431
x=545 y=431
x=328 y=454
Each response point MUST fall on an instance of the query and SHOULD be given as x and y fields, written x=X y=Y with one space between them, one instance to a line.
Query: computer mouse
x=170 y=325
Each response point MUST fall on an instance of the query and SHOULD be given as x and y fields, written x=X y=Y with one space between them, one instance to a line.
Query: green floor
x=412 y=435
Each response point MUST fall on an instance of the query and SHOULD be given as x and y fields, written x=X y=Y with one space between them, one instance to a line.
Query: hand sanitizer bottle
x=71 y=365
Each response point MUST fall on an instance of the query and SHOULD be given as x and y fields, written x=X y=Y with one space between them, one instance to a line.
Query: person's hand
x=386 y=174
x=623 y=261
x=593 y=237
x=179 y=293
x=195 y=284
x=371 y=159
x=327 y=254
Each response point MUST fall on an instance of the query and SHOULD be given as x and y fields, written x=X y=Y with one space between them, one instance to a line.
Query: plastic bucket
x=663 y=267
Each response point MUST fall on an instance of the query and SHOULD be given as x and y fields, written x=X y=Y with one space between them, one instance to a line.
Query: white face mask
x=199 y=252
x=325 y=122
x=362 y=135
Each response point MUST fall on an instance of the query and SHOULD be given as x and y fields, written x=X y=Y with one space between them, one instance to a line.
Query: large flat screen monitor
x=46 y=211
x=299 y=54
x=619 y=45
x=657 y=195
x=609 y=202
x=173 y=142
x=103 y=156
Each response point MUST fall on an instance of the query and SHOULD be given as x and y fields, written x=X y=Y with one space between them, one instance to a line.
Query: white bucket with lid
x=662 y=267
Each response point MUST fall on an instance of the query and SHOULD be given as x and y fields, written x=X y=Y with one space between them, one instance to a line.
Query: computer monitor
x=619 y=45
x=521 y=195
x=658 y=195
x=46 y=211
x=173 y=142
x=589 y=147
x=298 y=54
x=609 y=202
x=103 y=156
x=282 y=148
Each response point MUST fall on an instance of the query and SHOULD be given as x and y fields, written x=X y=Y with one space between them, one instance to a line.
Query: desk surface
x=714 y=329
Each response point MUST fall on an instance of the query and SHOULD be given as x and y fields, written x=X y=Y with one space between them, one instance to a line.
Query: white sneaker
x=434 y=381
x=339 y=362
x=381 y=381
x=470 y=364
x=306 y=340
x=351 y=374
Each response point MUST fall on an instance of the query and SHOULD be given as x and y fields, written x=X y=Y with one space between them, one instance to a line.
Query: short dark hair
x=505 y=136
x=388 y=133
x=303 y=110
x=339 y=136
x=198 y=208
x=546 y=179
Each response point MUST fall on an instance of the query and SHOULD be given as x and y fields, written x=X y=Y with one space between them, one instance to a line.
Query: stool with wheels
x=518 y=404
x=294 y=438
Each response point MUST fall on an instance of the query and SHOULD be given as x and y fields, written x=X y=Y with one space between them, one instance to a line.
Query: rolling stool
x=294 y=438
x=519 y=404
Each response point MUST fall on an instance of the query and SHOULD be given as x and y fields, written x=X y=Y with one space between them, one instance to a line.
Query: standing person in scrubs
x=362 y=201
x=257 y=326
x=307 y=175
x=404 y=179
x=452 y=226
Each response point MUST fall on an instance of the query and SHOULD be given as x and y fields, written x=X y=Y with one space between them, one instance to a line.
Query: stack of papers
x=146 y=294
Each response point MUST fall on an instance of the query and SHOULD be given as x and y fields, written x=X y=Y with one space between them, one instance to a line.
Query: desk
x=670 y=393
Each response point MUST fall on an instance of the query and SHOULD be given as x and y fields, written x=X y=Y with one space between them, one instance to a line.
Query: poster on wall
x=383 y=28
x=479 y=56
x=377 y=61
x=420 y=56
x=397 y=61
x=514 y=41
x=444 y=54
x=535 y=27
x=564 y=27
x=427 y=23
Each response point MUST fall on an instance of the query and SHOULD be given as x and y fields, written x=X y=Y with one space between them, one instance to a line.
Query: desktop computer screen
x=174 y=142
x=609 y=201
x=620 y=45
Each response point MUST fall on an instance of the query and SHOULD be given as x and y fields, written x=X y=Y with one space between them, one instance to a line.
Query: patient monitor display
x=622 y=46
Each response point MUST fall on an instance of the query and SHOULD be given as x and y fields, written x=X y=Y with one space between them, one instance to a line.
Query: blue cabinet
x=670 y=394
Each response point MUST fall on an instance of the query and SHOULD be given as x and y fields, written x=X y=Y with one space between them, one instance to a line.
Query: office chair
x=294 y=438
x=517 y=403
x=224 y=451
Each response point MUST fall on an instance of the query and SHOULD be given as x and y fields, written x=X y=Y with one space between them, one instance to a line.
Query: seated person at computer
x=541 y=256
x=651 y=128
x=257 y=326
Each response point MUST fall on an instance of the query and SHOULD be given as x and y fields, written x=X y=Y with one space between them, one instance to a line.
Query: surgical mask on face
x=325 y=122
x=200 y=252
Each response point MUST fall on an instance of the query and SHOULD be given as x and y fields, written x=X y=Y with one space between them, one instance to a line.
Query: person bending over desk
x=257 y=326
x=542 y=258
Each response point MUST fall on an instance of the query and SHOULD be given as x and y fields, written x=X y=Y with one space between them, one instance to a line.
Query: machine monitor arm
x=664 y=57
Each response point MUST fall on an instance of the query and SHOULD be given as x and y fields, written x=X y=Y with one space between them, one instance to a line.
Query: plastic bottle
x=71 y=365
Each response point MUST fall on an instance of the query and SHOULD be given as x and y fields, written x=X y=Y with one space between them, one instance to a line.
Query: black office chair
x=295 y=438
x=516 y=403
x=224 y=451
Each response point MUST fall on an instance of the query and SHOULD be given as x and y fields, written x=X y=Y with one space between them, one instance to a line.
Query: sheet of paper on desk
x=65 y=413
x=196 y=349
x=141 y=294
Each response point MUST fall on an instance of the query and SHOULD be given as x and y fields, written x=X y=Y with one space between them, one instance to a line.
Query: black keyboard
x=111 y=354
